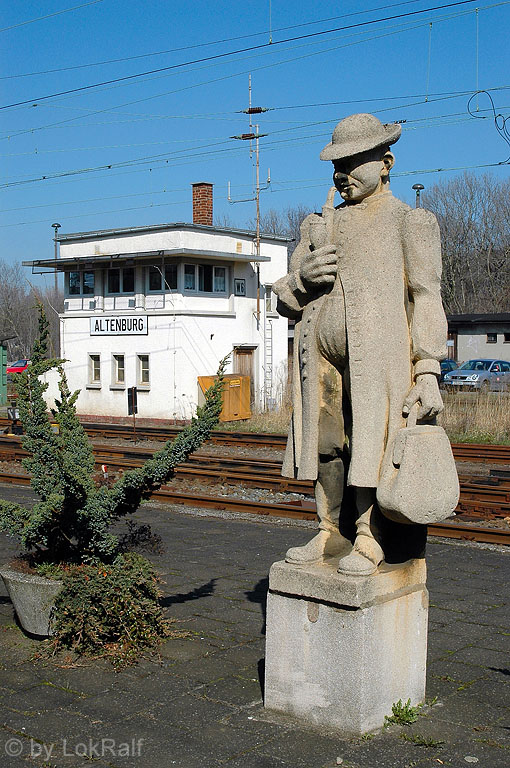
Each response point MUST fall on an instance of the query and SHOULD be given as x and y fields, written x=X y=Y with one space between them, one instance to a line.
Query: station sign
x=119 y=325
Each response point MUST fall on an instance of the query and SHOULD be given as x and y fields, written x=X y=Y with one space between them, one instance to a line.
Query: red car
x=18 y=367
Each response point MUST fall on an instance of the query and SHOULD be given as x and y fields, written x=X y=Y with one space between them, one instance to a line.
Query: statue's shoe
x=356 y=564
x=324 y=544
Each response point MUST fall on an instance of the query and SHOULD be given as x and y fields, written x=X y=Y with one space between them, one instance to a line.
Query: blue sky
x=171 y=128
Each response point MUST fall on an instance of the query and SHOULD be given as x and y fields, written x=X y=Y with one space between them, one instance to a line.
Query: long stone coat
x=387 y=301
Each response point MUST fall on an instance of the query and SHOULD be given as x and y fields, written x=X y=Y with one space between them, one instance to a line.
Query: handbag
x=418 y=480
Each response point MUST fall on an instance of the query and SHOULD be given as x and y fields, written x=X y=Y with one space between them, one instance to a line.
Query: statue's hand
x=318 y=267
x=426 y=392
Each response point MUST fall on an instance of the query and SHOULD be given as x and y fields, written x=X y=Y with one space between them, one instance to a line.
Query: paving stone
x=478 y=656
x=197 y=706
x=235 y=690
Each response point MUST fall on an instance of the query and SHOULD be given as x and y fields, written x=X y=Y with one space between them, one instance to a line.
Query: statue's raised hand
x=318 y=267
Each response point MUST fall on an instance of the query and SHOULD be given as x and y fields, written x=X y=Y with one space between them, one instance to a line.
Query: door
x=243 y=364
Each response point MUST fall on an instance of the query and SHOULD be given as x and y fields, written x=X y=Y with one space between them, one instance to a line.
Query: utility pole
x=250 y=137
x=56 y=227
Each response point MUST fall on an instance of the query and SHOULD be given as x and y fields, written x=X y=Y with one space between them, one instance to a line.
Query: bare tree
x=285 y=223
x=18 y=313
x=474 y=217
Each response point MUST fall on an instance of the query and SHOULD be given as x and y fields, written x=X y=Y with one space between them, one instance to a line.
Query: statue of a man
x=364 y=289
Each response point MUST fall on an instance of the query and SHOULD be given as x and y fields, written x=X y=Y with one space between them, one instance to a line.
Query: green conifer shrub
x=68 y=534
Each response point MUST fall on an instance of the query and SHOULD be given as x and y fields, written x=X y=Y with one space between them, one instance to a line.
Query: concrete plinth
x=341 y=650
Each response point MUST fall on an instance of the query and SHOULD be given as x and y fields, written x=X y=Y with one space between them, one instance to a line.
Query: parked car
x=19 y=366
x=447 y=366
x=480 y=374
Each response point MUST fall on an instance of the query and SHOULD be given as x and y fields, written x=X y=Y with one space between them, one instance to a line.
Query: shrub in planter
x=109 y=599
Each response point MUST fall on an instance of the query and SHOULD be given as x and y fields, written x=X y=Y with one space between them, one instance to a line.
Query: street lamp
x=418 y=188
x=56 y=227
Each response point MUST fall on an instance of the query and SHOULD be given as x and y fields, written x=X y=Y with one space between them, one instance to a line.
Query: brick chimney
x=202 y=203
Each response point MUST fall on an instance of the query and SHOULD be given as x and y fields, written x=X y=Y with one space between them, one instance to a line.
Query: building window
x=205 y=278
x=81 y=283
x=119 y=375
x=189 y=277
x=163 y=280
x=94 y=369
x=506 y=338
x=121 y=280
x=492 y=338
x=143 y=371
x=269 y=298
x=240 y=286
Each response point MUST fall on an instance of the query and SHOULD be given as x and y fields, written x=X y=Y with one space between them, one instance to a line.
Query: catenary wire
x=206 y=44
x=208 y=82
x=233 y=53
x=49 y=16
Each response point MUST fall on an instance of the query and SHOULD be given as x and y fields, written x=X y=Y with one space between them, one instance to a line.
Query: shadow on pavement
x=259 y=595
x=206 y=590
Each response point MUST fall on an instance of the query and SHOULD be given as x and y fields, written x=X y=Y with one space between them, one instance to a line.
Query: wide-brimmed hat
x=359 y=133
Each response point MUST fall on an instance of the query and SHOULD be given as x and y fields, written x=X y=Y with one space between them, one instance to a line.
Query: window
x=269 y=299
x=81 y=283
x=121 y=280
x=492 y=338
x=160 y=280
x=143 y=371
x=205 y=278
x=119 y=376
x=94 y=369
x=505 y=367
x=506 y=338
x=189 y=277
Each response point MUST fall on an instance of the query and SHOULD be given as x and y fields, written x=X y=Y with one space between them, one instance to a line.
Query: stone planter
x=33 y=598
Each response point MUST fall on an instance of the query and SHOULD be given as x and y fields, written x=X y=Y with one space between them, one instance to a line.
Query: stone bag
x=418 y=481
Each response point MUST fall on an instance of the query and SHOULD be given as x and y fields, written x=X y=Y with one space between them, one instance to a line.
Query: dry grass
x=474 y=417
x=468 y=417
x=276 y=420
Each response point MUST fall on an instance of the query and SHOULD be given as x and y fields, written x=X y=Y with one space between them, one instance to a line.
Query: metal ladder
x=268 y=363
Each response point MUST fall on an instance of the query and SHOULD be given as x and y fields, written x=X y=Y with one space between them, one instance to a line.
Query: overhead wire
x=321 y=184
x=229 y=76
x=205 y=44
x=49 y=16
x=233 y=53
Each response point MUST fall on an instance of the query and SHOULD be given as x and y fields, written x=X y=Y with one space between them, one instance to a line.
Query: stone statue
x=364 y=289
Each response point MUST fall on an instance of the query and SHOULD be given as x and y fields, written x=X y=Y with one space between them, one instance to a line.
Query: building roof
x=93 y=235
x=498 y=318
x=39 y=266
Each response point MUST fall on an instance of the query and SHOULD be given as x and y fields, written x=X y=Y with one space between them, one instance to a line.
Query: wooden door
x=243 y=365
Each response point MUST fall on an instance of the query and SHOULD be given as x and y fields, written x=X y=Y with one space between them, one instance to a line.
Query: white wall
x=472 y=343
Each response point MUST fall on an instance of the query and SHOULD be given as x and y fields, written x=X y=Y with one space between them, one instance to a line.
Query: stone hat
x=359 y=133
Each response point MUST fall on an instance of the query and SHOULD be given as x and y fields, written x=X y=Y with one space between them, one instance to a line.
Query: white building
x=157 y=306
x=479 y=335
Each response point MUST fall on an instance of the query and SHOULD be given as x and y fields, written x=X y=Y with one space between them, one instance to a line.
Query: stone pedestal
x=341 y=650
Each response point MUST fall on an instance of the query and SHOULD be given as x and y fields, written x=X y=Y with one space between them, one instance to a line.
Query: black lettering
x=97 y=327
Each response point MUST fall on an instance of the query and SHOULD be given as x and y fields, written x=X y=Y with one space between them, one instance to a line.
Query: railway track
x=300 y=510
x=472 y=452
x=480 y=497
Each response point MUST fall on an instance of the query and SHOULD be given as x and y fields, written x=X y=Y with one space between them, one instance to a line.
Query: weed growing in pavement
x=421 y=741
x=402 y=714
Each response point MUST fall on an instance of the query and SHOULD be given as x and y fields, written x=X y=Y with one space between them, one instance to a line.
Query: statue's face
x=360 y=176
